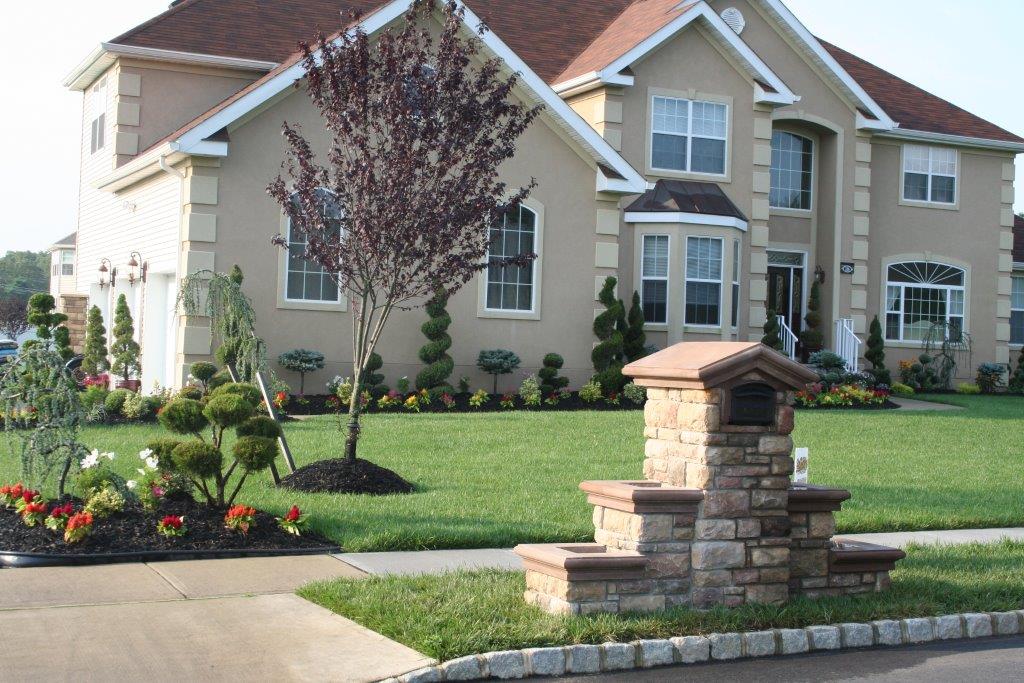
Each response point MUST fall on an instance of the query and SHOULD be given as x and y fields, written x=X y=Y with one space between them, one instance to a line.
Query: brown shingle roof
x=686 y=196
x=913 y=107
x=1018 y=239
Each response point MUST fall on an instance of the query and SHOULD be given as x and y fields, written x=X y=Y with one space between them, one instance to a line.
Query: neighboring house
x=63 y=288
x=714 y=156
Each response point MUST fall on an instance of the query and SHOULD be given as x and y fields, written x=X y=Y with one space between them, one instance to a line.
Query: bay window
x=688 y=136
x=703 y=281
x=920 y=295
x=1017 y=310
x=654 y=279
x=929 y=174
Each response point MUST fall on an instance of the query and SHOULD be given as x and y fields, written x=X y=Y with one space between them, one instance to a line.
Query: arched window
x=919 y=294
x=510 y=287
x=792 y=157
x=304 y=280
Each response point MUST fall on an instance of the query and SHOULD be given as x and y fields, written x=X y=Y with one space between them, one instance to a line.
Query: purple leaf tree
x=403 y=203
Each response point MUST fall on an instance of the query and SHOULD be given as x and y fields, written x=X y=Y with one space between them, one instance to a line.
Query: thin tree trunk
x=63 y=477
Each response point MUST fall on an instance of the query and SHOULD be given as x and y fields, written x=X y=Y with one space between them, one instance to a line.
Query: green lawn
x=493 y=480
x=451 y=615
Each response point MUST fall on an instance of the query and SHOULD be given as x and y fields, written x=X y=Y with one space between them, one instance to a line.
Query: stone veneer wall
x=741 y=544
x=74 y=306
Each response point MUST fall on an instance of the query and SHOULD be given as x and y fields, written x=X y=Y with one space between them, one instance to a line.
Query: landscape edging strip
x=643 y=654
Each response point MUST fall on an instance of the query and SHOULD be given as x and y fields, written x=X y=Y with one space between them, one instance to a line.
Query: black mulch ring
x=132 y=535
x=340 y=475
x=318 y=405
x=888 y=405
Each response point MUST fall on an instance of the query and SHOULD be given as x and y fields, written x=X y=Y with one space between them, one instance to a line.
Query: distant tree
x=634 y=339
x=771 y=329
x=124 y=349
x=50 y=330
x=94 y=356
x=23 y=273
x=13 y=317
x=419 y=127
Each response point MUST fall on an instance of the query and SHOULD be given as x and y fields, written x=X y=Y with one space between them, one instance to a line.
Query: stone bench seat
x=848 y=557
x=652 y=497
x=811 y=498
x=581 y=561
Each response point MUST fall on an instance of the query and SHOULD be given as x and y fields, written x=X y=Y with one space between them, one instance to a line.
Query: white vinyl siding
x=654 y=268
x=929 y=174
x=688 y=136
x=703 y=304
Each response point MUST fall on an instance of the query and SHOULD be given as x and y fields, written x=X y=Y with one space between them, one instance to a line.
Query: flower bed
x=137 y=534
x=325 y=404
x=845 y=396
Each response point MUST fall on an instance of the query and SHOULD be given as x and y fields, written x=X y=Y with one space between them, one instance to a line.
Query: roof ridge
x=174 y=8
x=600 y=33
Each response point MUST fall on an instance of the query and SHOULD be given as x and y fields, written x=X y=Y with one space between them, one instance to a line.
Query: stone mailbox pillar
x=718 y=418
x=714 y=522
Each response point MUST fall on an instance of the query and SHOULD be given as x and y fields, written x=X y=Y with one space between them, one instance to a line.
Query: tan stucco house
x=714 y=156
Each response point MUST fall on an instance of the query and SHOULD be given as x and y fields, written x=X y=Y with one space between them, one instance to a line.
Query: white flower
x=152 y=462
x=141 y=471
x=91 y=460
x=108 y=456
x=145 y=453
x=131 y=484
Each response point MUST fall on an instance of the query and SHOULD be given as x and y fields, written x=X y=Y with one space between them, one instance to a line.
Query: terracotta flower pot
x=130 y=384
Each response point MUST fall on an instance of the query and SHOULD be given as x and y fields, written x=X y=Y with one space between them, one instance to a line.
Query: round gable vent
x=734 y=18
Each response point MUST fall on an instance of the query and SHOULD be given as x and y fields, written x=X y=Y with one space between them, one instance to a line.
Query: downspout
x=170 y=170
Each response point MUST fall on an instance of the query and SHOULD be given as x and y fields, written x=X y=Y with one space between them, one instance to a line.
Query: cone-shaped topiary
x=1016 y=383
x=550 y=381
x=50 y=329
x=434 y=377
x=607 y=355
x=94 y=356
x=811 y=336
x=634 y=340
x=875 y=353
x=771 y=332
x=124 y=349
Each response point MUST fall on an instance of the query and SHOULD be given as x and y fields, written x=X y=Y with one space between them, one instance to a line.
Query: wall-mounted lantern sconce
x=106 y=268
x=819 y=274
x=135 y=262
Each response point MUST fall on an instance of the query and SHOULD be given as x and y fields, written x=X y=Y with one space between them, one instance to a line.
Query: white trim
x=104 y=55
x=929 y=174
x=739 y=49
x=955 y=140
x=853 y=88
x=616 y=185
x=689 y=135
x=686 y=218
x=589 y=81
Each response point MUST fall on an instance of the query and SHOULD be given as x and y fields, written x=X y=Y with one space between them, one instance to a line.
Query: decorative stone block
x=1005 y=623
x=978 y=625
x=718 y=555
x=917 y=631
x=616 y=656
x=759 y=644
x=823 y=637
x=887 y=632
x=506 y=664
x=428 y=674
x=725 y=504
x=793 y=641
x=856 y=635
x=948 y=627
x=583 y=659
x=726 y=645
x=546 y=661
x=656 y=653
x=715 y=529
x=463 y=669
x=692 y=649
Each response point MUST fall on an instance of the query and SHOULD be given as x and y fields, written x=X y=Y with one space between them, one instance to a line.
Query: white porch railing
x=789 y=339
x=847 y=343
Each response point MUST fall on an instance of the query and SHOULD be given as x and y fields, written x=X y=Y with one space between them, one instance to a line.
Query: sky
x=961 y=51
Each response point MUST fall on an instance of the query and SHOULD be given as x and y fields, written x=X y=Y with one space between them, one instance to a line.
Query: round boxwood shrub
x=198 y=458
x=203 y=371
x=191 y=391
x=220 y=379
x=114 y=401
x=247 y=391
x=228 y=410
x=183 y=416
x=163 y=448
x=261 y=425
x=255 y=453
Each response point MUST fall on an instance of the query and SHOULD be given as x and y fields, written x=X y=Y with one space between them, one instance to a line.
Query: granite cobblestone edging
x=643 y=654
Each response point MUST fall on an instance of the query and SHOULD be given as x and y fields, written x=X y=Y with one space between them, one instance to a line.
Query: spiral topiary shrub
x=634 y=339
x=198 y=459
x=434 y=377
x=550 y=381
x=607 y=354
x=373 y=381
x=183 y=416
x=771 y=330
x=261 y=425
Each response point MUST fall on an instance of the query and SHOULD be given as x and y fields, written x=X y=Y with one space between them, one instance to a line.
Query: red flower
x=82 y=519
x=61 y=510
x=293 y=514
x=28 y=495
x=172 y=521
x=34 y=508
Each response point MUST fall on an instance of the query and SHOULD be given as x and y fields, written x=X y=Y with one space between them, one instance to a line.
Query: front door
x=786 y=287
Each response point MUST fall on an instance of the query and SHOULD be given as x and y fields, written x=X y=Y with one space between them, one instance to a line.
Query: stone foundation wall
x=74 y=307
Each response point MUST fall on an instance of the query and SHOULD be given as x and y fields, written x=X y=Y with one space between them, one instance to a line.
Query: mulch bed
x=317 y=405
x=339 y=475
x=132 y=535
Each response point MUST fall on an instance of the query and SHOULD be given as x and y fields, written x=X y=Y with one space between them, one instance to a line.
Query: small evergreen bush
x=260 y=425
x=635 y=393
x=497 y=362
x=875 y=353
x=591 y=392
x=901 y=389
x=247 y=391
x=114 y=402
x=198 y=459
x=550 y=381
x=827 y=361
x=254 y=453
x=529 y=391
x=990 y=377
x=301 y=361
x=771 y=329
x=228 y=410
x=183 y=416
x=124 y=349
x=94 y=355
x=203 y=372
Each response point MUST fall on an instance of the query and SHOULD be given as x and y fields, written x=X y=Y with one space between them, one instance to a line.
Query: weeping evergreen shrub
x=434 y=377
x=607 y=354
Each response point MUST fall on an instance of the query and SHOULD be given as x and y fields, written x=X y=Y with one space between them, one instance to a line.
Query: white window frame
x=930 y=175
x=687 y=280
x=98 y=116
x=67 y=262
x=810 y=200
x=645 y=278
x=287 y=270
x=689 y=137
x=534 y=284
x=902 y=286
x=1016 y=278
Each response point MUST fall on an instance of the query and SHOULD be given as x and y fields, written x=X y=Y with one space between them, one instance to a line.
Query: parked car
x=8 y=350
x=74 y=366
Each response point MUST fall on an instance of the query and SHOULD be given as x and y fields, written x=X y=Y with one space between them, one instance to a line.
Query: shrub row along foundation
x=717 y=521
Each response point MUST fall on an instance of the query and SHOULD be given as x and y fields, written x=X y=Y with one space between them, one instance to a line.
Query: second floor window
x=1017 y=310
x=791 y=171
x=511 y=287
x=703 y=281
x=98 y=115
x=688 y=136
x=929 y=174
x=304 y=280
x=67 y=262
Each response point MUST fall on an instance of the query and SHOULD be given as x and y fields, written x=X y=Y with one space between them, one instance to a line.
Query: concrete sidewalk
x=916 y=404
